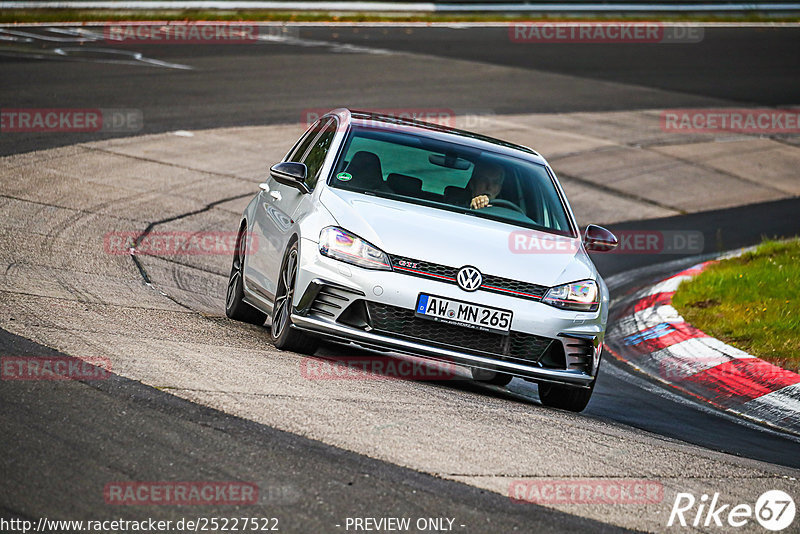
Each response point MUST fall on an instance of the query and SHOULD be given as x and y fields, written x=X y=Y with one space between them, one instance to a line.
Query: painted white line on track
x=334 y=46
x=81 y=36
x=48 y=38
x=115 y=56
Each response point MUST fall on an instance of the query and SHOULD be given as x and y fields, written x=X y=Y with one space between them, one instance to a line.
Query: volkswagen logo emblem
x=469 y=278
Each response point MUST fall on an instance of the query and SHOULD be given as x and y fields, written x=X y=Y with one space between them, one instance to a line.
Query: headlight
x=343 y=246
x=577 y=296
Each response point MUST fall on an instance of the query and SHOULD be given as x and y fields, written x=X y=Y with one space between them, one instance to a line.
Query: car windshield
x=422 y=170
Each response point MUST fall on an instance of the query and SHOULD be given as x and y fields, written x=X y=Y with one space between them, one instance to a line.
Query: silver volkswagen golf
x=399 y=235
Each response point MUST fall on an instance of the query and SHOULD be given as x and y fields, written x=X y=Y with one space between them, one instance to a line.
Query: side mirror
x=291 y=174
x=598 y=239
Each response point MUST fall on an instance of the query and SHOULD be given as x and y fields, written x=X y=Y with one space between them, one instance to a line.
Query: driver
x=485 y=184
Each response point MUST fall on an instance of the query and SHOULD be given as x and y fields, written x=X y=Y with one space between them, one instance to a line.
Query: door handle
x=276 y=195
x=264 y=186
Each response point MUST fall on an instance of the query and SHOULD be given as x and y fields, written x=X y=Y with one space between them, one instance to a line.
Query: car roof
x=436 y=131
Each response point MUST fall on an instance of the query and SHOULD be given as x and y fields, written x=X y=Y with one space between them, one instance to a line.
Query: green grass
x=751 y=302
x=100 y=15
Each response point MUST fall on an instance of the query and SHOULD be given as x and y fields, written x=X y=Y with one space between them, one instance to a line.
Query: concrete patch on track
x=624 y=166
x=61 y=288
x=765 y=162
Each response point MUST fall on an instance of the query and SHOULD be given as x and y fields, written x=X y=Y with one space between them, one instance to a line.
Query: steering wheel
x=500 y=203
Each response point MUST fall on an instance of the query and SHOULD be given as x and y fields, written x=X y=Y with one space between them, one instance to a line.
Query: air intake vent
x=325 y=299
x=579 y=351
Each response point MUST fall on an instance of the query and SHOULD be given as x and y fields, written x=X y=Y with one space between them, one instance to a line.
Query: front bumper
x=328 y=290
x=371 y=340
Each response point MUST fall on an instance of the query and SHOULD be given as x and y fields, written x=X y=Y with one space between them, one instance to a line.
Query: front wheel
x=283 y=335
x=235 y=307
x=569 y=398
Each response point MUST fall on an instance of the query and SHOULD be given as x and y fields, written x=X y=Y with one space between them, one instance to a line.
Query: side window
x=316 y=156
x=302 y=146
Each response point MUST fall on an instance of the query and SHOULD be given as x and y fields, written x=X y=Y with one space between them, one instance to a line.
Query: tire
x=284 y=337
x=491 y=377
x=235 y=307
x=565 y=397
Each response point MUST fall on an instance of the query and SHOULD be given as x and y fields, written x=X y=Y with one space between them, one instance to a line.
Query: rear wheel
x=235 y=307
x=491 y=377
x=283 y=335
x=569 y=398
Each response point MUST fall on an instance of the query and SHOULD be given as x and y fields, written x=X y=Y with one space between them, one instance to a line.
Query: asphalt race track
x=148 y=432
x=61 y=441
x=236 y=85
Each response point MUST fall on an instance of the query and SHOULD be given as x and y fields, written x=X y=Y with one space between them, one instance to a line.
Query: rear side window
x=316 y=155
x=301 y=147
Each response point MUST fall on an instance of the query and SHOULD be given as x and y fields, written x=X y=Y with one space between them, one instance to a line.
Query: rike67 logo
x=774 y=510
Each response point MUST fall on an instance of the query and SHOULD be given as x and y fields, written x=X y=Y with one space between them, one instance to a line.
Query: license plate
x=461 y=313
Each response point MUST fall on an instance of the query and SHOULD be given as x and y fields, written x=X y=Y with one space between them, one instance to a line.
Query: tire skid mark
x=142 y=271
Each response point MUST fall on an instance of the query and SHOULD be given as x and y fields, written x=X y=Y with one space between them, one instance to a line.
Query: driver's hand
x=481 y=201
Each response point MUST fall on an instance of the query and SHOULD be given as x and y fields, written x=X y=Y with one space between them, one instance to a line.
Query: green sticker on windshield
x=344 y=176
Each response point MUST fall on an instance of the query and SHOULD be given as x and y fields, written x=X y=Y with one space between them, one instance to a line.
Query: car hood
x=455 y=240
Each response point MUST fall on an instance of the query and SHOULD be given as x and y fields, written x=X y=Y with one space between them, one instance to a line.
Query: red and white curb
x=650 y=335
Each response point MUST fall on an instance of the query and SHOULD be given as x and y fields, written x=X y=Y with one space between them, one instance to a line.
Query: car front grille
x=443 y=273
x=401 y=322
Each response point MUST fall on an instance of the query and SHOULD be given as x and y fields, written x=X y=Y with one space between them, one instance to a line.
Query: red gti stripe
x=450 y=279
x=426 y=274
